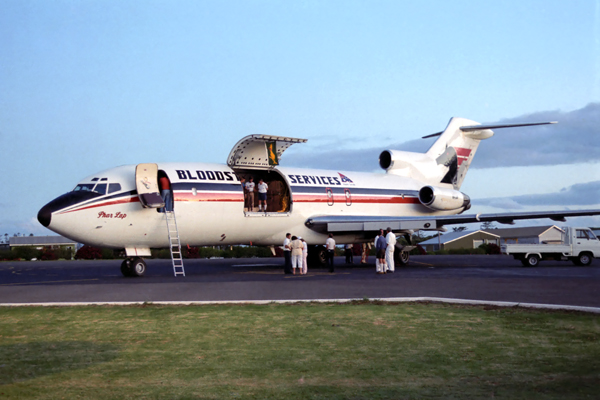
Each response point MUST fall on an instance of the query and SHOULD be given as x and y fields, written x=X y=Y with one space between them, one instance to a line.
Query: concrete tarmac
x=483 y=278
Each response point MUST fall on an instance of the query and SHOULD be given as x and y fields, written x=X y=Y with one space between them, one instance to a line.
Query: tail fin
x=454 y=150
x=448 y=159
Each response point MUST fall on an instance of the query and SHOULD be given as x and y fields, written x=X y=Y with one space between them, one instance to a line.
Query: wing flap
x=357 y=223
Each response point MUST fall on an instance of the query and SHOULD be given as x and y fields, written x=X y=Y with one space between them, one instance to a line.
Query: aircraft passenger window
x=114 y=187
x=100 y=188
x=85 y=187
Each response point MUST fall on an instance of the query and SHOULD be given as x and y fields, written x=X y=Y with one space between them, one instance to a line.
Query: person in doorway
x=287 y=268
x=296 y=246
x=249 y=189
x=165 y=192
x=390 y=240
x=262 y=195
x=304 y=257
x=380 y=247
x=330 y=246
x=348 y=253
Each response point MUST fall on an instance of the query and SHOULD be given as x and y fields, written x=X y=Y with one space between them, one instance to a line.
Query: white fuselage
x=210 y=209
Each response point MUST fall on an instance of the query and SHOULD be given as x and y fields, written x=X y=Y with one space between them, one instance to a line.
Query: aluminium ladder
x=174 y=244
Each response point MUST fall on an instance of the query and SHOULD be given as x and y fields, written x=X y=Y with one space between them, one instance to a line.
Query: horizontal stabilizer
x=482 y=127
x=472 y=128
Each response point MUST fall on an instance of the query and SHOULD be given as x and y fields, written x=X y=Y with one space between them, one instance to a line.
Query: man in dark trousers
x=330 y=245
x=287 y=253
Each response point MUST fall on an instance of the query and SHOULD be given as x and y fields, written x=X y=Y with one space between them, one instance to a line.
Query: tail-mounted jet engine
x=442 y=199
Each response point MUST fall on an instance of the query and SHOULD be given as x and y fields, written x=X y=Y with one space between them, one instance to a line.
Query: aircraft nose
x=45 y=215
x=61 y=202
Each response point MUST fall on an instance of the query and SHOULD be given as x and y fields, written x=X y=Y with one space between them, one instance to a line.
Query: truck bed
x=564 y=249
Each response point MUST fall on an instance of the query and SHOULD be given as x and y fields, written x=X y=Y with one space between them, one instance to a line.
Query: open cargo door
x=146 y=182
x=259 y=151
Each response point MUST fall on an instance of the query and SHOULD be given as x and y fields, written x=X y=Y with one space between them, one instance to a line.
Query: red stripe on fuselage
x=340 y=198
x=239 y=197
x=133 y=199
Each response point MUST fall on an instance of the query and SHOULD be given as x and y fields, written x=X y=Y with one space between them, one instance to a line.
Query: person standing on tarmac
x=287 y=253
x=304 y=256
x=380 y=247
x=330 y=246
x=296 y=245
x=348 y=253
x=390 y=239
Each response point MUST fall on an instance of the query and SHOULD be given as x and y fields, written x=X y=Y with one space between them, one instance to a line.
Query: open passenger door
x=146 y=183
x=259 y=151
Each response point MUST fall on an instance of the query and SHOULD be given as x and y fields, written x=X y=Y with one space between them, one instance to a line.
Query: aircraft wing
x=356 y=223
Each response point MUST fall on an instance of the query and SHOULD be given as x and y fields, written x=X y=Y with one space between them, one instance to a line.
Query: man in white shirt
x=330 y=246
x=262 y=195
x=250 y=193
x=287 y=253
x=390 y=239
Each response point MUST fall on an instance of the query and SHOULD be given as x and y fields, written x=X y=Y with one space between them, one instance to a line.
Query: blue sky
x=87 y=85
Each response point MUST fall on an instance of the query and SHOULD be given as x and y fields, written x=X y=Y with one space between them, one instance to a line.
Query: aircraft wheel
x=401 y=257
x=138 y=267
x=126 y=269
x=318 y=255
x=532 y=260
x=584 y=259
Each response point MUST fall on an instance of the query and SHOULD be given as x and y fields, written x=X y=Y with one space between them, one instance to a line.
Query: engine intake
x=442 y=199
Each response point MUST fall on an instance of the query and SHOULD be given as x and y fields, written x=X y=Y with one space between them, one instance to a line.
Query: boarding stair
x=174 y=244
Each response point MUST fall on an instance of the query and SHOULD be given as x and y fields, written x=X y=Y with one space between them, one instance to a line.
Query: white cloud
x=573 y=140
x=581 y=194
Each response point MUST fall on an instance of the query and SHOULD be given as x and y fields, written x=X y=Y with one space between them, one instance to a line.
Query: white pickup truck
x=579 y=245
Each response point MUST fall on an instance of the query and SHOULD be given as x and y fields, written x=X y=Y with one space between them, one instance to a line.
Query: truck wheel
x=584 y=259
x=532 y=260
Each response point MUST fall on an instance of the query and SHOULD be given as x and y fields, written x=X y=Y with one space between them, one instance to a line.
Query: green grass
x=308 y=351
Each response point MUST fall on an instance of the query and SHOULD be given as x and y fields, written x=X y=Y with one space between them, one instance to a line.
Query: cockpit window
x=99 y=185
x=84 y=187
x=100 y=188
x=114 y=187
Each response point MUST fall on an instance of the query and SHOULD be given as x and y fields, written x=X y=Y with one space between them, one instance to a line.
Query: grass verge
x=299 y=351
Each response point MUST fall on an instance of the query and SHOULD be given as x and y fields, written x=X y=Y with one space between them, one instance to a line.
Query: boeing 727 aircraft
x=123 y=207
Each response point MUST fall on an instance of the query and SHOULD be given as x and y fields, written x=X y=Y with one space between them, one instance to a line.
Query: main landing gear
x=135 y=266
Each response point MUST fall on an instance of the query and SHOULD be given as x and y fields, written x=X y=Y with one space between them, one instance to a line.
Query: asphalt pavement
x=476 y=277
